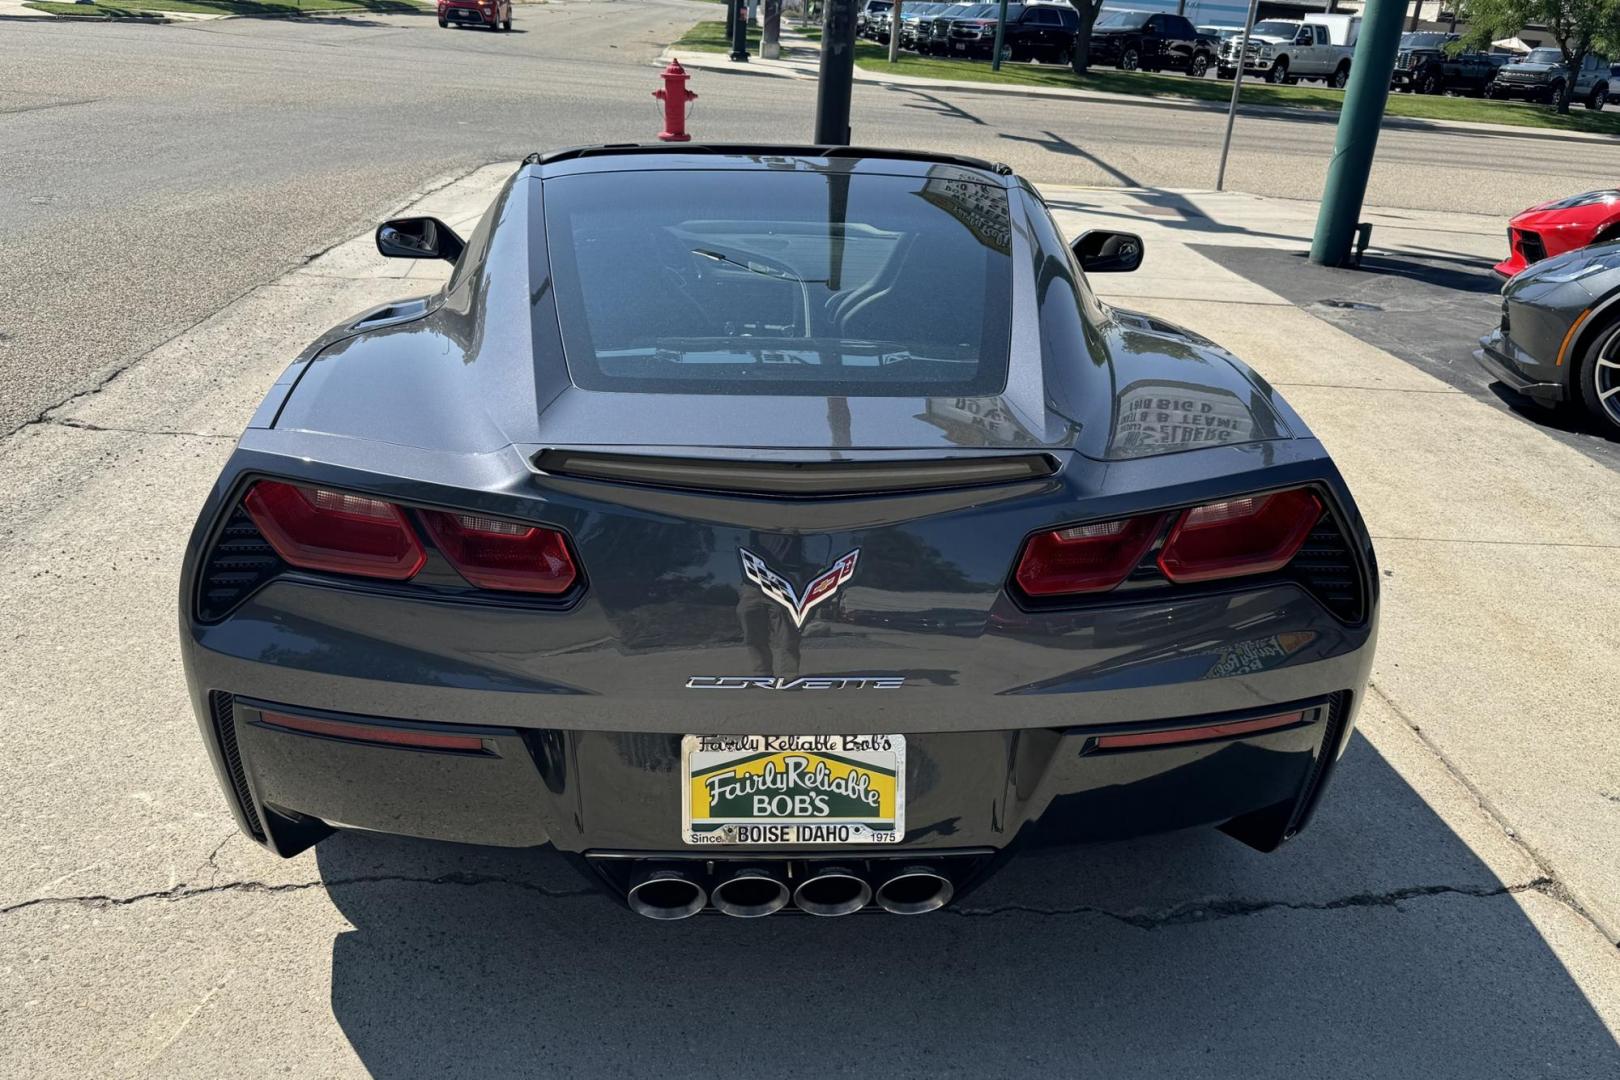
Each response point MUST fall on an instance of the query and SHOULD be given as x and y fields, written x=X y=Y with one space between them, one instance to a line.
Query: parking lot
x=1451 y=912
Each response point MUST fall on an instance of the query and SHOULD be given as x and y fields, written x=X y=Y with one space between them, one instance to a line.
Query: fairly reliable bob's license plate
x=760 y=790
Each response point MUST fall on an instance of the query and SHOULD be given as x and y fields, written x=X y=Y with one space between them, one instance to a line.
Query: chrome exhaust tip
x=832 y=890
x=666 y=893
x=750 y=892
x=916 y=890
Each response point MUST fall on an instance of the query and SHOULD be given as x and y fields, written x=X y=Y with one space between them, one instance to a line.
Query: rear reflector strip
x=372 y=733
x=1198 y=734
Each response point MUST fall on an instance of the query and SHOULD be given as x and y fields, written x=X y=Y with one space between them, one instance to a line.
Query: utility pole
x=770 y=35
x=1237 y=88
x=1001 y=30
x=894 y=32
x=837 y=72
x=1357 y=139
x=739 y=31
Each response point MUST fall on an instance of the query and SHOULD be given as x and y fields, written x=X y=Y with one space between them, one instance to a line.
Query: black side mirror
x=418 y=238
x=1102 y=251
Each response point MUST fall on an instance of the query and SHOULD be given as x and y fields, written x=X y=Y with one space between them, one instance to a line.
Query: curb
x=1280 y=112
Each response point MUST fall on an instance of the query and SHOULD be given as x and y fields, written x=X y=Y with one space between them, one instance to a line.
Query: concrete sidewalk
x=1442 y=918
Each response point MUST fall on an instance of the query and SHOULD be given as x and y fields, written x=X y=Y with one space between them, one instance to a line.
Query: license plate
x=801 y=790
x=959 y=47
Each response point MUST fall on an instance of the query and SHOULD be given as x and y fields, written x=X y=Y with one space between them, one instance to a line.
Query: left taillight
x=496 y=554
x=317 y=528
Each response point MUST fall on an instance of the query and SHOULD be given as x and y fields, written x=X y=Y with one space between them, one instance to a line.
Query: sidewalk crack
x=1216 y=910
x=1551 y=884
x=101 y=901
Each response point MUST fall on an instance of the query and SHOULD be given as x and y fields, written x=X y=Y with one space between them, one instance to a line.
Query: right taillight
x=1254 y=534
x=317 y=528
x=1251 y=534
x=1086 y=558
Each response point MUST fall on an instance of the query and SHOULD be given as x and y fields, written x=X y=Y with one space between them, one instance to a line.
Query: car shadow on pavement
x=1376 y=945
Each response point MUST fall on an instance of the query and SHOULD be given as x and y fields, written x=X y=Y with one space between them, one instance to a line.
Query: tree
x=1080 y=58
x=1578 y=26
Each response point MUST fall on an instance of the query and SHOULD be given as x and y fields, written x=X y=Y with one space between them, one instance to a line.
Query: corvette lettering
x=808 y=682
x=781 y=590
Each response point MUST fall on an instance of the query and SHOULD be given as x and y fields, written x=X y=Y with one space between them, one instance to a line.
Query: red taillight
x=374 y=733
x=1229 y=730
x=1085 y=558
x=321 y=529
x=1250 y=535
x=496 y=554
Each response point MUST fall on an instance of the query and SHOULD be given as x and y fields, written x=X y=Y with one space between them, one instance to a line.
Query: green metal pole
x=1359 y=120
x=1001 y=28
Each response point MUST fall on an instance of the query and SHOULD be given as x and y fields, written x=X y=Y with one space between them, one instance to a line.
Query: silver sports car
x=773 y=528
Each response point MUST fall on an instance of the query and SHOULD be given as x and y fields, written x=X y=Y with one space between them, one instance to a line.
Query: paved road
x=148 y=174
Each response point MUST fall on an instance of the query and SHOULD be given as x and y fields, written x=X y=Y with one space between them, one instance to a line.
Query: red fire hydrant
x=675 y=95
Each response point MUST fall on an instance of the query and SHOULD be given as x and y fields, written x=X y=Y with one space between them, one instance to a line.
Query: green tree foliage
x=1578 y=26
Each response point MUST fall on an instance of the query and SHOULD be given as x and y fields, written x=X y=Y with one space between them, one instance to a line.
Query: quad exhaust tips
x=915 y=890
x=666 y=893
x=673 y=890
x=751 y=891
x=832 y=890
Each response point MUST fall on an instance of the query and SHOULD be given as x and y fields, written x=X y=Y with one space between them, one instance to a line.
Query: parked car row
x=1320 y=46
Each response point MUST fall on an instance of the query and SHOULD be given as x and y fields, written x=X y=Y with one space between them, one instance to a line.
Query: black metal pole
x=739 y=31
x=837 y=72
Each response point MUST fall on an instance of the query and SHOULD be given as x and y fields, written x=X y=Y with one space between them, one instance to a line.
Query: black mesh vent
x=241 y=560
x=1326 y=567
x=223 y=708
x=1531 y=247
x=1332 y=732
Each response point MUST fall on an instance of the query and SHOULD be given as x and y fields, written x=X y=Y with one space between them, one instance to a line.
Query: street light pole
x=894 y=31
x=837 y=73
x=1237 y=87
x=1365 y=96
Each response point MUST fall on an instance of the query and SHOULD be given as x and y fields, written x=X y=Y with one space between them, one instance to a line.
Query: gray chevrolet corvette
x=773 y=528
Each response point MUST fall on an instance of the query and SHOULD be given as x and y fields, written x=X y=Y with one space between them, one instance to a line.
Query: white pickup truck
x=1286 y=50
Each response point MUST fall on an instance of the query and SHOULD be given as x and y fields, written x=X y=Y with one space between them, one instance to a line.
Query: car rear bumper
x=617 y=793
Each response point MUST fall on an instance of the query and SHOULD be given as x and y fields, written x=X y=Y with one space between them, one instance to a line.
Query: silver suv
x=1541 y=76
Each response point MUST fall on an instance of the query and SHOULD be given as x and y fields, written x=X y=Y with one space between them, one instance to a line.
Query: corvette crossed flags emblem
x=781 y=590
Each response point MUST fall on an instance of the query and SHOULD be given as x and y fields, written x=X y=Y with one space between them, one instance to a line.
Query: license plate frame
x=842 y=790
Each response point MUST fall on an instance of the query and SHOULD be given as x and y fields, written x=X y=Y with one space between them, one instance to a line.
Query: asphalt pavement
x=150 y=174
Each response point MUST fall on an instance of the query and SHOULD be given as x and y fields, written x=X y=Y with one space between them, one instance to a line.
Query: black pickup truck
x=1151 y=41
x=1424 y=66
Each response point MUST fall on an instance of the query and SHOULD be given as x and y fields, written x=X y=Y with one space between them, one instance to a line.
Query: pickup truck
x=1043 y=32
x=1541 y=76
x=1151 y=41
x=1284 y=50
x=1424 y=66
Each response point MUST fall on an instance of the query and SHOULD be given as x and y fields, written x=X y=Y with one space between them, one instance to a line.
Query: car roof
x=621 y=157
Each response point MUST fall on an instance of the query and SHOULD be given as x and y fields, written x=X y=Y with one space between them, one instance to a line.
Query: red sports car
x=495 y=14
x=1556 y=227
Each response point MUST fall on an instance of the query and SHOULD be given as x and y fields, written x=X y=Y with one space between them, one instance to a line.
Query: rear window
x=782 y=282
